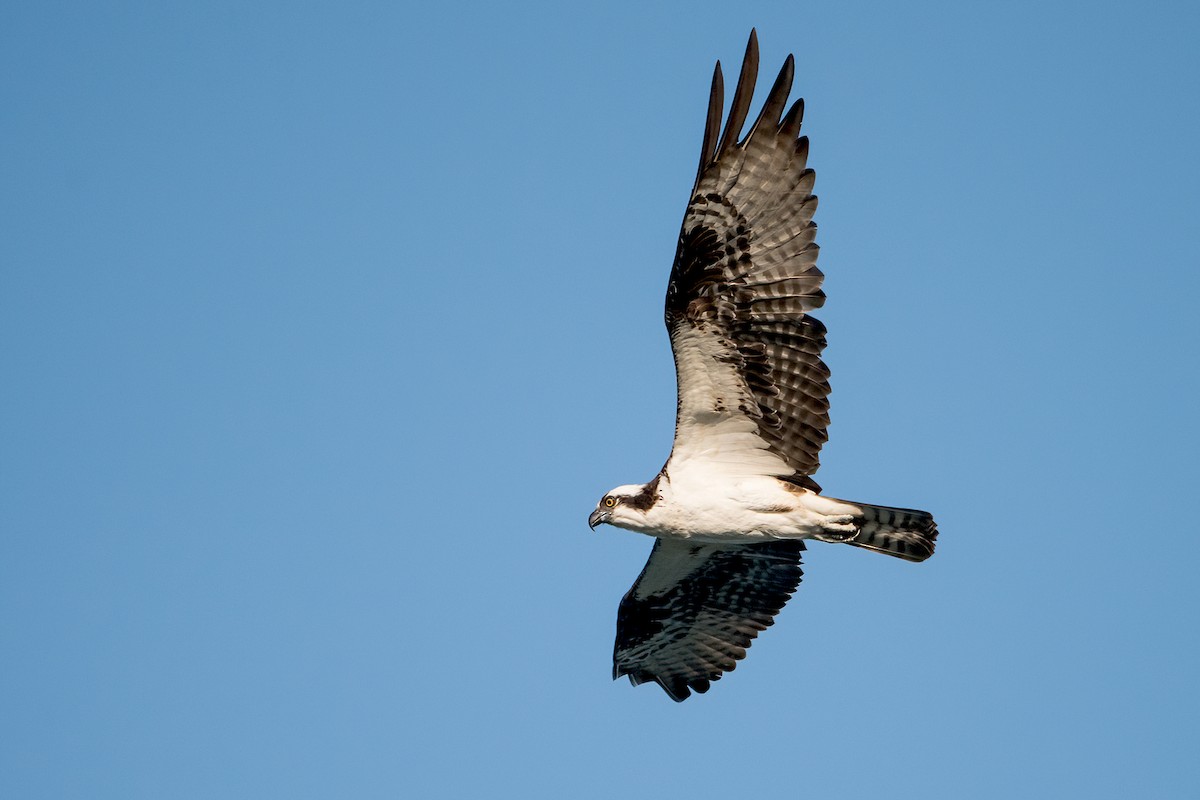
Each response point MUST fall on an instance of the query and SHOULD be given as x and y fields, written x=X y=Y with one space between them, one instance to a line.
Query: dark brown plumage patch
x=645 y=500
x=698 y=278
x=800 y=483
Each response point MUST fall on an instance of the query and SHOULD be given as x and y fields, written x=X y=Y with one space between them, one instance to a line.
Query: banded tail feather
x=902 y=532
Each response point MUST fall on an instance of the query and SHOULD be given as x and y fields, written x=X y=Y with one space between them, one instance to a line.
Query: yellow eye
x=609 y=502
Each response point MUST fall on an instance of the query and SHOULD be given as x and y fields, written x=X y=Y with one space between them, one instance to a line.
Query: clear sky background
x=324 y=326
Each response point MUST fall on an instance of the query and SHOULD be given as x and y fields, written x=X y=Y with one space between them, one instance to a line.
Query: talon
x=840 y=528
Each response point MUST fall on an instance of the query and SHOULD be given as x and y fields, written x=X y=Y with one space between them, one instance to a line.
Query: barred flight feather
x=696 y=608
x=746 y=262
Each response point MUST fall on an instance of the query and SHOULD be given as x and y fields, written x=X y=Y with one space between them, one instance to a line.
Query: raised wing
x=752 y=386
x=696 y=608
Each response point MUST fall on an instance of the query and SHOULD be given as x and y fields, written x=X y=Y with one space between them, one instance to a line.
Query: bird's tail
x=902 y=532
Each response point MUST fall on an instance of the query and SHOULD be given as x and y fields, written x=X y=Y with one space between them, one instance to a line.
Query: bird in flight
x=736 y=500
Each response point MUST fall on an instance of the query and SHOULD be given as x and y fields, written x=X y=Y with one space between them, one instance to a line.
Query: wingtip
x=752 y=49
x=742 y=96
x=712 y=123
x=793 y=119
x=773 y=106
x=677 y=692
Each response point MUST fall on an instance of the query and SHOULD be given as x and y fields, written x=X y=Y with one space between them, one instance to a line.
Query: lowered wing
x=696 y=608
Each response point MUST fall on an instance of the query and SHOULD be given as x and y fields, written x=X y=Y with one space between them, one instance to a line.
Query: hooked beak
x=598 y=517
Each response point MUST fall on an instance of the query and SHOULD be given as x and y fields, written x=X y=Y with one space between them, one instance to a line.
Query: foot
x=840 y=528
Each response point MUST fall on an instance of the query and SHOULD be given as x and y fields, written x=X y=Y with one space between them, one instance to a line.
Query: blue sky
x=324 y=327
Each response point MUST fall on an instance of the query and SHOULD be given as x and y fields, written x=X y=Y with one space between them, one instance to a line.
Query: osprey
x=733 y=505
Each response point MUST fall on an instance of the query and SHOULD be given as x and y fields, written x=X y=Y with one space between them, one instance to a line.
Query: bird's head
x=624 y=507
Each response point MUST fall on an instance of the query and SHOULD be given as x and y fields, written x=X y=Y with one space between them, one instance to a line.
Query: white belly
x=754 y=508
